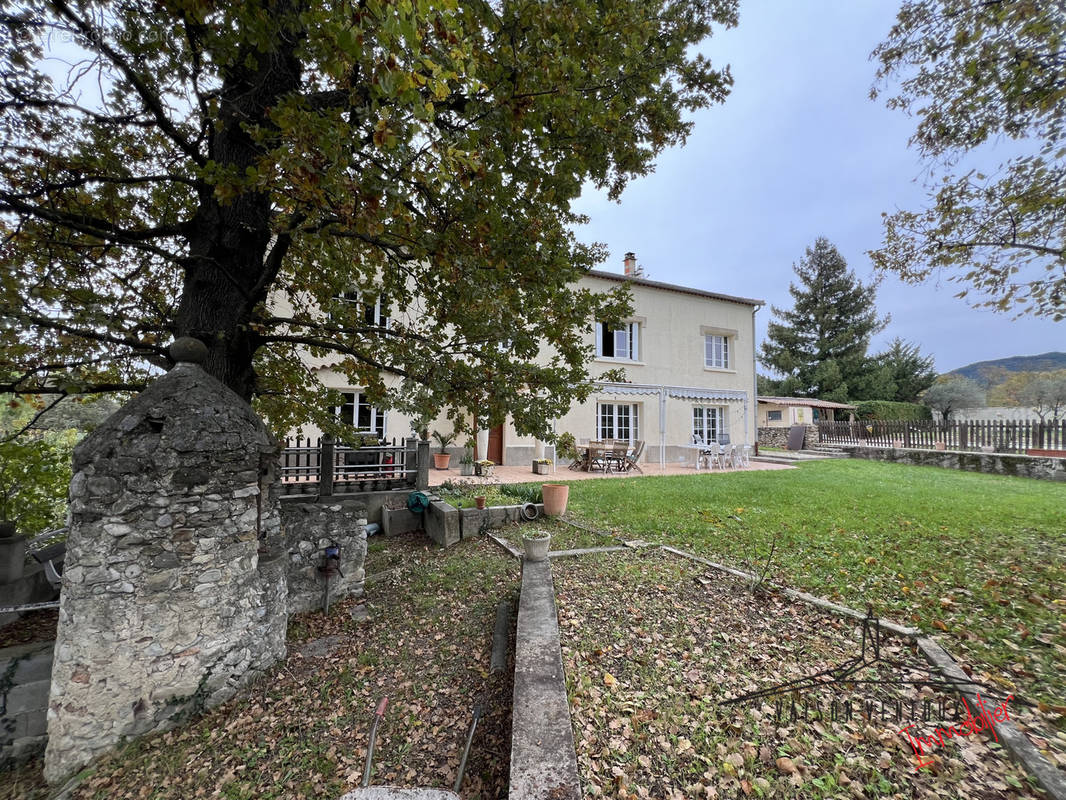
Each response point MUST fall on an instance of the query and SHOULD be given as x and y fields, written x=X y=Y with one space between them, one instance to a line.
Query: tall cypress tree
x=819 y=346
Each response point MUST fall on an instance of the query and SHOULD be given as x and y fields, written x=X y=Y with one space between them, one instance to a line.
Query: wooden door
x=495 y=454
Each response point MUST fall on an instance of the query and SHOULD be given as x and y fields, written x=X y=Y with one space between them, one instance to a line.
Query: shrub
x=889 y=409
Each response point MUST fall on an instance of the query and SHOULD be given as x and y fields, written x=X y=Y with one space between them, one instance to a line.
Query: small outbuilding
x=784 y=412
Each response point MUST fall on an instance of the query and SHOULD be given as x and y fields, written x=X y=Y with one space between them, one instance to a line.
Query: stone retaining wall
x=1040 y=467
x=778 y=437
x=25 y=674
x=311 y=527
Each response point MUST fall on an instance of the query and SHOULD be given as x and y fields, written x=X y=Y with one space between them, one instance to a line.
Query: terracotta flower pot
x=479 y=501
x=442 y=460
x=555 y=498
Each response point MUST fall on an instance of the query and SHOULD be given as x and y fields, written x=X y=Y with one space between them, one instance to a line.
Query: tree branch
x=150 y=99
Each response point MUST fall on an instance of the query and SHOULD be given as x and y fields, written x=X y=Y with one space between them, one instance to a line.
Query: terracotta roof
x=802 y=401
x=614 y=276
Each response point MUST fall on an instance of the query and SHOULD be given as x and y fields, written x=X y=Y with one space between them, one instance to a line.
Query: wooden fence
x=996 y=436
x=323 y=466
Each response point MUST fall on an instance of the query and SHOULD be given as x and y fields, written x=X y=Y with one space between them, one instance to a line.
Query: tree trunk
x=225 y=275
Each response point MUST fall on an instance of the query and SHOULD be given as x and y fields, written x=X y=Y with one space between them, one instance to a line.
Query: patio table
x=699 y=448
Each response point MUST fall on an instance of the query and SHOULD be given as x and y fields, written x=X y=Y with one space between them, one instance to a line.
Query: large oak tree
x=225 y=170
x=986 y=80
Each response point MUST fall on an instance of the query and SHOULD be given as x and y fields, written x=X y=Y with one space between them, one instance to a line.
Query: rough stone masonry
x=174 y=593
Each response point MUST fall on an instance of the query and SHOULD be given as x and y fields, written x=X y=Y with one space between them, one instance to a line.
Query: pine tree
x=820 y=345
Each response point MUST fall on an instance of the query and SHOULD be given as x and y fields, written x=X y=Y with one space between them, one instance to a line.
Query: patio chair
x=745 y=455
x=597 y=458
x=616 y=456
x=713 y=455
x=632 y=457
x=729 y=456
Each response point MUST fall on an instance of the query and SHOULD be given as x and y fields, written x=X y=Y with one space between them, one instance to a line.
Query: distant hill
x=988 y=373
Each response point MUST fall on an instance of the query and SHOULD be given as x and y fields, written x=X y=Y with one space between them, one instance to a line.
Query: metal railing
x=323 y=466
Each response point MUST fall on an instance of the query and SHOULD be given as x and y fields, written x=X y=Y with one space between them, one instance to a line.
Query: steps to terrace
x=817 y=453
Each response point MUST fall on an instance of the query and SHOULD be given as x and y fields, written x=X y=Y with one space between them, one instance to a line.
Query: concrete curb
x=543 y=758
x=1017 y=744
x=585 y=551
x=506 y=545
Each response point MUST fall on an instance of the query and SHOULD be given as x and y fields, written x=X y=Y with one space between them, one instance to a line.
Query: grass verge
x=978 y=558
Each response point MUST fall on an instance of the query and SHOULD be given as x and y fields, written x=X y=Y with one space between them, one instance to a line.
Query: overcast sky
x=798 y=151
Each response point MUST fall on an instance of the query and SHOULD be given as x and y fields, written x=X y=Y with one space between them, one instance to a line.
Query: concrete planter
x=466 y=468
x=536 y=548
x=555 y=496
x=540 y=469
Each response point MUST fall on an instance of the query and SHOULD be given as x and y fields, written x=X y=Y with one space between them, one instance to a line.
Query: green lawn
x=978 y=559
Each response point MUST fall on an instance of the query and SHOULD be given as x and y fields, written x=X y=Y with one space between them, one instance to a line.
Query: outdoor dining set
x=719 y=454
x=620 y=455
x=609 y=455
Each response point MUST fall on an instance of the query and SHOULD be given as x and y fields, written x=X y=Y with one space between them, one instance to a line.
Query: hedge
x=889 y=409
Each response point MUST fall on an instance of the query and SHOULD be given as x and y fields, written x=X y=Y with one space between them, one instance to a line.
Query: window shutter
x=634 y=341
x=599 y=352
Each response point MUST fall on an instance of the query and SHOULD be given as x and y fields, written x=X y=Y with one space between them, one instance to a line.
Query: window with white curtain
x=716 y=351
x=617 y=421
x=708 y=422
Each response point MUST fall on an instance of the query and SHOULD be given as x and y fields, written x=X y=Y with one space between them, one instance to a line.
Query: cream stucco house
x=689 y=360
x=784 y=412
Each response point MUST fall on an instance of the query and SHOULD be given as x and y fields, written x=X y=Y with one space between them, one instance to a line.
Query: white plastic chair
x=713 y=454
x=745 y=455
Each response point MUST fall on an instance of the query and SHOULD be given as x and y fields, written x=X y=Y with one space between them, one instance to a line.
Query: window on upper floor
x=374 y=313
x=622 y=344
x=715 y=351
x=356 y=411
x=617 y=421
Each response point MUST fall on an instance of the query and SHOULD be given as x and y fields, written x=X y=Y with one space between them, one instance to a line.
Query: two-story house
x=689 y=360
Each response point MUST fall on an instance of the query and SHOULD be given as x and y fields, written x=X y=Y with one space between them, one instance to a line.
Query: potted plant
x=536 y=544
x=540 y=466
x=466 y=461
x=483 y=467
x=555 y=498
x=479 y=501
x=940 y=445
x=442 y=459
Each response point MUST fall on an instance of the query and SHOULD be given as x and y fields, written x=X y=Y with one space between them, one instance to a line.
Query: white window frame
x=625 y=339
x=702 y=416
x=716 y=351
x=377 y=317
x=354 y=400
x=613 y=417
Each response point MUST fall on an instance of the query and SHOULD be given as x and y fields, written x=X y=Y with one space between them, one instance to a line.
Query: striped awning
x=677 y=392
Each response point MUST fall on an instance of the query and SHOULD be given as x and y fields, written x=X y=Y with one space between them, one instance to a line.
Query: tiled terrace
x=524 y=473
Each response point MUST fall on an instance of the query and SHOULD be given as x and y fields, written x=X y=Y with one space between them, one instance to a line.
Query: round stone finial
x=189 y=350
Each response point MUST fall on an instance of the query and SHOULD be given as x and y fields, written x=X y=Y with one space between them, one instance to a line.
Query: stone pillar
x=170 y=598
x=422 y=461
x=538 y=449
x=482 y=444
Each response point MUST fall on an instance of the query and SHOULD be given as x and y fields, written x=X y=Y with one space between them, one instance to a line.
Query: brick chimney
x=631 y=268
